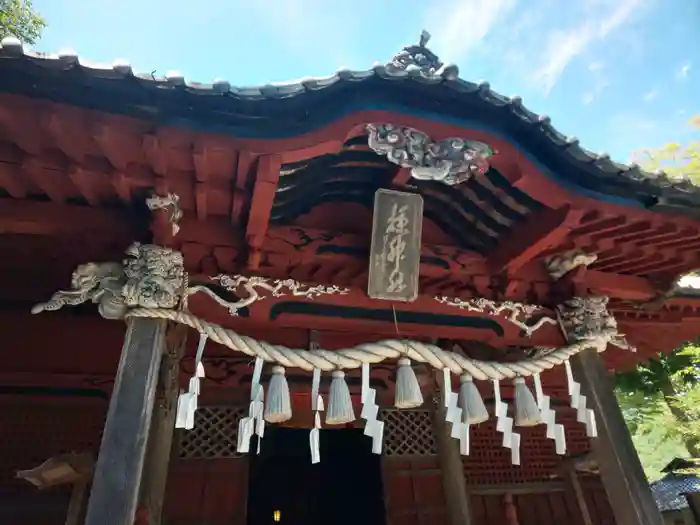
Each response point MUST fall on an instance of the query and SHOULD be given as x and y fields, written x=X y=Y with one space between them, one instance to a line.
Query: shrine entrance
x=344 y=488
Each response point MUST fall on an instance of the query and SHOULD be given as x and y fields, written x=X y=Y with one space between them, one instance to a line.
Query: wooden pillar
x=621 y=471
x=693 y=499
x=75 y=507
x=573 y=484
x=160 y=441
x=117 y=478
x=451 y=468
x=510 y=509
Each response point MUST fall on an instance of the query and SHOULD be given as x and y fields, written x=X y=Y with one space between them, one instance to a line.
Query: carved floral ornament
x=151 y=283
x=450 y=161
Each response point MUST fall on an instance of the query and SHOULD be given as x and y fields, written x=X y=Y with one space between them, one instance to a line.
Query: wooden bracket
x=266 y=178
x=542 y=231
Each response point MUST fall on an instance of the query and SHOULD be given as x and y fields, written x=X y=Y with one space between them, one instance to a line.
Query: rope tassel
x=408 y=393
x=527 y=413
x=340 y=409
x=279 y=405
x=471 y=402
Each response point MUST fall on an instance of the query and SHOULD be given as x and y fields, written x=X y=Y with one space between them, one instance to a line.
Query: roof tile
x=11 y=48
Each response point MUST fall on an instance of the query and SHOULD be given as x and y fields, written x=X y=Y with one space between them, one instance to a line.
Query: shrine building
x=389 y=297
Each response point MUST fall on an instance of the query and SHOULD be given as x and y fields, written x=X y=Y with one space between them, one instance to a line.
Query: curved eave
x=284 y=111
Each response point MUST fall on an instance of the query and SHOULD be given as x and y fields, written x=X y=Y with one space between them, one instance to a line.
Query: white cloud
x=463 y=24
x=595 y=66
x=650 y=95
x=683 y=71
x=564 y=45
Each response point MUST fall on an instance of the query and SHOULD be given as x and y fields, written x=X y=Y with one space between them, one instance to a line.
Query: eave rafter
x=266 y=177
x=544 y=230
x=215 y=246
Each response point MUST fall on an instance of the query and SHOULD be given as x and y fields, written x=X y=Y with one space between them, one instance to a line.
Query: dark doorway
x=345 y=488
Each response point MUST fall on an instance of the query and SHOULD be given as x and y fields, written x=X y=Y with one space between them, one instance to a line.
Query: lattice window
x=489 y=463
x=214 y=436
x=408 y=433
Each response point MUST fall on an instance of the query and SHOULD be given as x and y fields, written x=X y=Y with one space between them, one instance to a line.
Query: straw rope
x=350 y=358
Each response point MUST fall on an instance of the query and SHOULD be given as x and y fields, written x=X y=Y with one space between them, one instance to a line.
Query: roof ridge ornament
x=417 y=57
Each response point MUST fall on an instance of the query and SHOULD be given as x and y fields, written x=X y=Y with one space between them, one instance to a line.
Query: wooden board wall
x=214 y=491
x=207 y=492
x=413 y=495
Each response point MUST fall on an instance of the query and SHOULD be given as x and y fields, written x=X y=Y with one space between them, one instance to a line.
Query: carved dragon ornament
x=150 y=277
x=587 y=319
x=559 y=265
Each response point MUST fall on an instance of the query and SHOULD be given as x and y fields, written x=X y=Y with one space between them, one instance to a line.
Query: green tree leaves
x=677 y=160
x=18 y=19
x=660 y=401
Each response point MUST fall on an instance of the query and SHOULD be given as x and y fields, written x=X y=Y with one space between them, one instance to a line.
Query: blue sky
x=618 y=74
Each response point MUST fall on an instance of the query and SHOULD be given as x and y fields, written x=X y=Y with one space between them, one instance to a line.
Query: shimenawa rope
x=372 y=353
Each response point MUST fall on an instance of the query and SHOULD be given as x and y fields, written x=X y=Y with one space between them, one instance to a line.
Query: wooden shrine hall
x=388 y=296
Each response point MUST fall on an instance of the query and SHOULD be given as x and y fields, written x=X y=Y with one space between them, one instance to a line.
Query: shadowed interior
x=344 y=488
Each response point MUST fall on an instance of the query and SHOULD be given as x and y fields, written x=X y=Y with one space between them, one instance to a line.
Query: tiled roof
x=668 y=491
x=515 y=114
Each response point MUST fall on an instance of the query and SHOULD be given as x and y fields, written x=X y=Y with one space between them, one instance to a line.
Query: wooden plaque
x=394 y=259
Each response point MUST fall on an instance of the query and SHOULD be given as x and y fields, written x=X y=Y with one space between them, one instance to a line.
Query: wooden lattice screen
x=215 y=434
x=408 y=433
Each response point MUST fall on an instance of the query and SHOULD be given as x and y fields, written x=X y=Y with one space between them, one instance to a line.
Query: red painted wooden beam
x=126 y=130
x=401 y=177
x=45 y=218
x=543 y=230
x=218 y=242
x=266 y=177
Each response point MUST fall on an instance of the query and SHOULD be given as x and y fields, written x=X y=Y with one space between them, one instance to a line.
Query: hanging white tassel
x=340 y=409
x=279 y=405
x=527 y=414
x=408 y=394
x=470 y=400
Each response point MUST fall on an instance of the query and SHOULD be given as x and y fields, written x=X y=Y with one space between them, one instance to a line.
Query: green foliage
x=18 y=19
x=660 y=401
x=675 y=159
